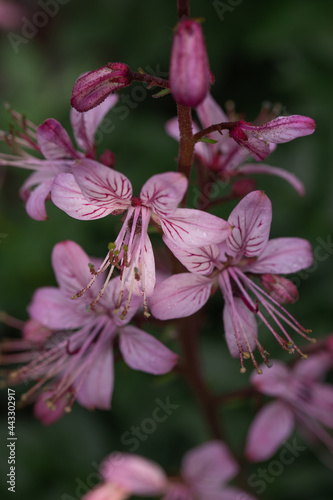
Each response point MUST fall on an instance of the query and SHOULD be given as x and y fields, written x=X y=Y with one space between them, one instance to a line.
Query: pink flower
x=11 y=14
x=76 y=360
x=301 y=398
x=50 y=140
x=93 y=191
x=228 y=157
x=232 y=265
x=124 y=474
x=204 y=472
x=92 y=88
x=189 y=66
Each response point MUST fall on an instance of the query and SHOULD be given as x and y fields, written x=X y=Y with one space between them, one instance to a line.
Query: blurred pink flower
x=301 y=399
x=11 y=14
x=75 y=361
x=228 y=157
x=51 y=141
x=205 y=470
x=232 y=265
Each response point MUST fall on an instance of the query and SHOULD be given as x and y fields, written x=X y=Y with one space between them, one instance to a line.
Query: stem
x=188 y=337
x=213 y=128
x=183 y=9
x=150 y=79
x=186 y=142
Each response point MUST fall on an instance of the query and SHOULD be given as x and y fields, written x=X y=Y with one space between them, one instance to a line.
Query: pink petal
x=283 y=256
x=193 y=228
x=251 y=219
x=163 y=192
x=50 y=308
x=254 y=168
x=107 y=491
x=35 y=205
x=315 y=368
x=284 y=128
x=198 y=260
x=208 y=466
x=144 y=261
x=102 y=186
x=180 y=296
x=274 y=381
x=144 y=352
x=109 y=301
x=239 y=322
x=67 y=195
x=71 y=267
x=270 y=428
x=85 y=125
x=232 y=493
x=96 y=390
x=135 y=474
x=54 y=142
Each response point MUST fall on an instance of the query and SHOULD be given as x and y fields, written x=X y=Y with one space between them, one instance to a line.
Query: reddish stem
x=186 y=142
x=150 y=79
x=213 y=128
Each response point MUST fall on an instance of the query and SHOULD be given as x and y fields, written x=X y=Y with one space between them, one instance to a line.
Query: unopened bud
x=189 y=67
x=281 y=289
x=92 y=88
x=242 y=187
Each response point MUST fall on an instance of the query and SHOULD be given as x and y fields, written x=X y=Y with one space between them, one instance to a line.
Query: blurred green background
x=276 y=51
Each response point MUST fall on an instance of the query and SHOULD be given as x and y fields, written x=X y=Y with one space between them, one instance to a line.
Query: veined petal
x=208 y=466
x=102 y=186
x=67 y=195
x=135 y=474
x=271 y=426
x=51 y=309
x=96 y=390
x=144 y=352
x=251 y=219
x=180 y=296
x=198 y=260
x=85 y=125
x=284 y=128
x=54 y=142
x=254 y=168
x=188 y=227
x=35 y=205
x=163 y=192
x=283 y=256
x=239 y=322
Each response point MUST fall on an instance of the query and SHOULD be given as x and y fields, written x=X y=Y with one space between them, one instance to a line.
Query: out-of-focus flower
x=51 y=141
x=205 y=470
x=75 y=361
x=11 y=14
x=232 y=265
x=301 y=399
x=94 y=87
x=229 y=158
x=189 y=67
x=93 y=191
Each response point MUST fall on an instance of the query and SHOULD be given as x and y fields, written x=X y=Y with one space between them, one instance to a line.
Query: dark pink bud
x=92 y=88
x=108 y=158
x=281 y=289
x=189 y=68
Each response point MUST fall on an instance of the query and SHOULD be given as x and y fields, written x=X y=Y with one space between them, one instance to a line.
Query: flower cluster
x=102 y=307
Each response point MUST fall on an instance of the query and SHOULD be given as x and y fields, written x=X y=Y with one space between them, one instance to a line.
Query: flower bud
x=189 y=68
x=281 y=289
x=92 y=88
